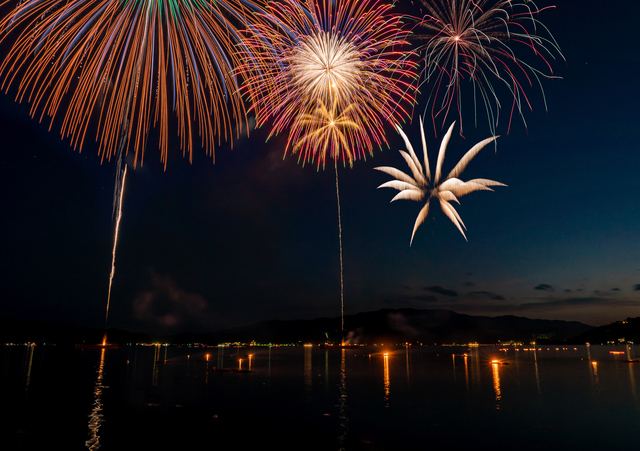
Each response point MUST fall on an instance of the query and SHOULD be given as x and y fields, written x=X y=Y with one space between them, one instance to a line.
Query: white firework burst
x=422 y=185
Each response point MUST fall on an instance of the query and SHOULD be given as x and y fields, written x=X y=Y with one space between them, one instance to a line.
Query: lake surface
x=302 y=398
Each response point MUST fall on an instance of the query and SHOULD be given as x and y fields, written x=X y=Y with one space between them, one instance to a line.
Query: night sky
x=254 y=237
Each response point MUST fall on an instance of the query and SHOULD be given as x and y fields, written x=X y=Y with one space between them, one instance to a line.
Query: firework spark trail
x=333 y=74
x=341 y=274
x=119 y=179
x=115 y=241
x=121 y=67
x=328 y=130
x=482 y=43
x=349 y=56
x=99 y=63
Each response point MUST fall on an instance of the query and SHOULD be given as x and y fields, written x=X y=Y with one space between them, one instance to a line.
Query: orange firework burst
x=128 y=64
x=328 y=130
x=345 y=58
x=483 y=42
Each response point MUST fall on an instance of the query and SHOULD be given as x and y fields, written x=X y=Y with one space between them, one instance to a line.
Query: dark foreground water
x=297 y=398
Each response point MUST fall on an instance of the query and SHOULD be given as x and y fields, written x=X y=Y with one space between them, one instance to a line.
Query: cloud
x=607 y=294
x=488 y=294
x=544 y=287
x=561 y=304
x=167 y=305
x=576 y=302
x=438 y=289
x=594 y=310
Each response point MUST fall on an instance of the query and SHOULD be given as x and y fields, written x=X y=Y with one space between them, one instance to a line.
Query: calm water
x=167 y=398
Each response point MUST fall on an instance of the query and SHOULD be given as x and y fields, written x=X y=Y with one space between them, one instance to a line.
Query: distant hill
x=398 y=325
x=382 y=326
x=617 y=332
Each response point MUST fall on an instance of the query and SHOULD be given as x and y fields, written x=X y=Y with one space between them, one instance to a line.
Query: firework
x=324 y=130
x=347 y=56
x=422 y=184
x=126 y=65
x=477 y=47
x=115 y=241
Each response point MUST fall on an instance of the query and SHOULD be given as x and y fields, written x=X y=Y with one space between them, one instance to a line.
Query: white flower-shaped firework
x=422 y=185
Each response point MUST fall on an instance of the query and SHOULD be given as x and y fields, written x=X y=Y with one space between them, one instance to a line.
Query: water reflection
x=154 y=371
x=535 y=363
x=30 y=349
x=387 y=381
x=343 y=401
x=307 y=369
x=290 y=396
x=466 y=371
x=408 y=360
x=475 y=368
x=96 y=417
x=326 y=371
x=220 y=363
x=453 y=358
x=496 y=382
x=631 y=355
x=596 y=382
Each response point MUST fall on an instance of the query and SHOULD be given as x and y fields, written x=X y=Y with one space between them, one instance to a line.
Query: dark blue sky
x=254 y=236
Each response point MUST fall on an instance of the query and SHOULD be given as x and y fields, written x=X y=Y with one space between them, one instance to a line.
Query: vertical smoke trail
x=115 y=241
x=340 y=241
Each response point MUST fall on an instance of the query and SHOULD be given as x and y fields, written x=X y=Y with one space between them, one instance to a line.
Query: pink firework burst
x=348 y=58
x=478 y=48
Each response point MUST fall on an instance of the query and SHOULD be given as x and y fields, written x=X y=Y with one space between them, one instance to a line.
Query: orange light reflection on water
x=466 y=371
x=496 y=382
x=387 y=381
x=594 y=366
